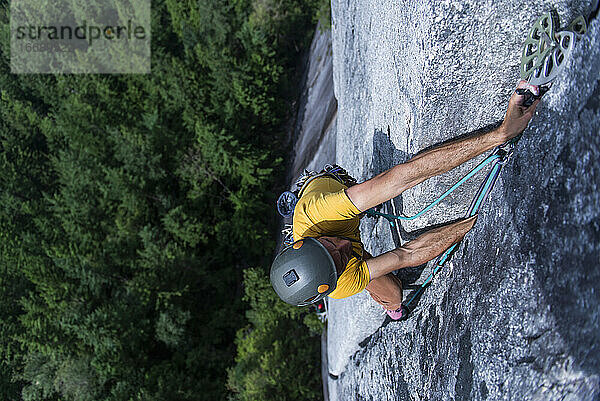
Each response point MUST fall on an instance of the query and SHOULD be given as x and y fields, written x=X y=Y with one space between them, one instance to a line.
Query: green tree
x=131 y=204
x=278 y=356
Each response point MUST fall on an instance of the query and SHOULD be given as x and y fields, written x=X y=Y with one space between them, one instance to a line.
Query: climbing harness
x=287 y=200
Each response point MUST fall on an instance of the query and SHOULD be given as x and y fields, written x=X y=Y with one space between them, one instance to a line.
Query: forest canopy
x=132 y=205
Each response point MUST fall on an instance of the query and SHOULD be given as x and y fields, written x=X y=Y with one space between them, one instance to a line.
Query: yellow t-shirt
x=324 y=209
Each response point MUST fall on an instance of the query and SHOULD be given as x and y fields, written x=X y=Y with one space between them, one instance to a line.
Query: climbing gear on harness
x=321 y=309
x=548 y=47
x=286 y=203
x=331 y=170
x=303 y=273
x=288 y=199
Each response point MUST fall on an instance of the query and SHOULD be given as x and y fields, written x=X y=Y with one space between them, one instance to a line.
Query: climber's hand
x=518 y=115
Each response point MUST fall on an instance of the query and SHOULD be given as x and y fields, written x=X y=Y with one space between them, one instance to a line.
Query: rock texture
x=515 y=315
x=315 y=130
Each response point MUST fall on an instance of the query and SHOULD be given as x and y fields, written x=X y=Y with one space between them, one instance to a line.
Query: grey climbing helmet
x=303 y=273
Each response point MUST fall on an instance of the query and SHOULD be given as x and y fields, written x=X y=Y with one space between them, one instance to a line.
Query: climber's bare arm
x=401 y=177
x=420 y=250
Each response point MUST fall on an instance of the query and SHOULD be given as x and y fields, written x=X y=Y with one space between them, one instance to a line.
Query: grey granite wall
x=515 y=315
x=315 y=130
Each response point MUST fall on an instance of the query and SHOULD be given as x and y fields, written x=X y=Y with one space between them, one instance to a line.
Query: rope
x=499 y=158
x=391 y=217
x=484 y=189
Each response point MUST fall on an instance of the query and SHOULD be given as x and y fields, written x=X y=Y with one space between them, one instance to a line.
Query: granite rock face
x=516 y=313
x=315 y=129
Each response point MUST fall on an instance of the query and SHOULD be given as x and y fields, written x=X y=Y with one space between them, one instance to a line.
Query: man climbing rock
x=327 y=257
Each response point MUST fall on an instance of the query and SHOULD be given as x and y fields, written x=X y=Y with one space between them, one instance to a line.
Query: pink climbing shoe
x=395 y=314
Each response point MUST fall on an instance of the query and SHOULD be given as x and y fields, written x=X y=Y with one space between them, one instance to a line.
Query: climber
x=328 y=258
